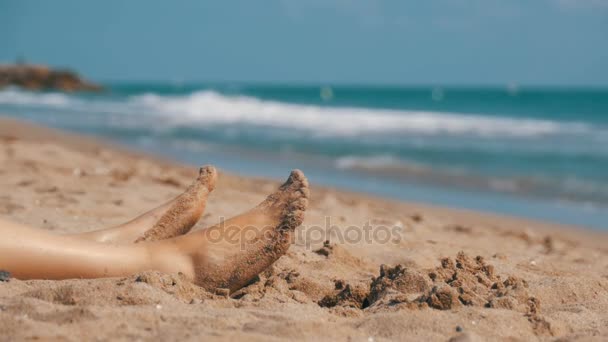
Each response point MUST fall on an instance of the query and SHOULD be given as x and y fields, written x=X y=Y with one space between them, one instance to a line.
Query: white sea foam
x=207 y=107
x=396 y=165
x=211 y=108
x=384 y=161
x=13 y=96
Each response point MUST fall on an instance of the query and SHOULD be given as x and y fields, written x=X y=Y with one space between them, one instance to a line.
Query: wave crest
x=213 y=108
x=209 y=108
x=13 y=96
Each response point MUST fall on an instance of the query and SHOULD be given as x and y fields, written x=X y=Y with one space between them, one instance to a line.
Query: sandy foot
x=237 y=250
x=185 y=210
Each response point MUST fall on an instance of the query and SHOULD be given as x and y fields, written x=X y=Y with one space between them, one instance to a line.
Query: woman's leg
x=228 y=255
x=173 y=218
x=29 y=253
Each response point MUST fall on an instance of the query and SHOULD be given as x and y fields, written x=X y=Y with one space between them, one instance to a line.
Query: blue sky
x=466 y=42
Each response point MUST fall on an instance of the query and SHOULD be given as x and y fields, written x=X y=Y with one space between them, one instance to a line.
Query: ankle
x=166 y=257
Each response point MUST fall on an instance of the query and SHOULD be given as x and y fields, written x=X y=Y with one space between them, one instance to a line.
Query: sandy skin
x=30 y=253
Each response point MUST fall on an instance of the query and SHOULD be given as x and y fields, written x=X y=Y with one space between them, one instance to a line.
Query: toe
x=295 y=179
x=297 y=175
x=299 y=204
x=304 y=192
x=305 y=182
x=292 y=220
x=207 y=171
x=208 y=175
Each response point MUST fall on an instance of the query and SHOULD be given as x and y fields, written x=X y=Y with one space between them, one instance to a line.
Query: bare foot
x=231 y=254
x=171 y=219
x=227 y=256
x=185 y=210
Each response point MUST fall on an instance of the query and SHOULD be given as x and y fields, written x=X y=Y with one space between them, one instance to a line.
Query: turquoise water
x=535 y=152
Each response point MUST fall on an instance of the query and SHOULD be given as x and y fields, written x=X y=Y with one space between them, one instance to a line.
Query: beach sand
x=444 y=274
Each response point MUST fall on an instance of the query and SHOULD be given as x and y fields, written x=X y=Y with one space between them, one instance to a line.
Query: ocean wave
x=548 y=157
x=378 y=162
x=13 y=96
x=386 y=165
x=207 y=108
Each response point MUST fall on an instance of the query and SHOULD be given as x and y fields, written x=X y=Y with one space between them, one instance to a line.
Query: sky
x=399 y=42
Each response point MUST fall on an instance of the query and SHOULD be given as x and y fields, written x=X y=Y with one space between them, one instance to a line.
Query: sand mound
x=398 y=285
x=347 y=295
x=474 y=282
x=455 y=283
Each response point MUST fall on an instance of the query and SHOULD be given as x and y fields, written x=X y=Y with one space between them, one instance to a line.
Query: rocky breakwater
x=40 y=77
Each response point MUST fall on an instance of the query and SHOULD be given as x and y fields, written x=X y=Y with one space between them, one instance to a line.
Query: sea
x=533 y=152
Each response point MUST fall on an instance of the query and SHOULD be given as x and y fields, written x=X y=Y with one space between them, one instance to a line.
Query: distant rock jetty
x=40 y=77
